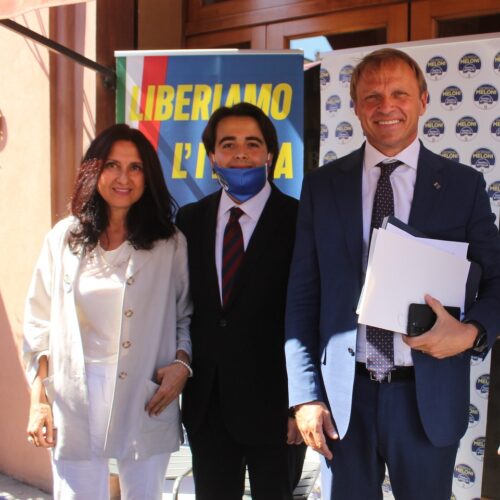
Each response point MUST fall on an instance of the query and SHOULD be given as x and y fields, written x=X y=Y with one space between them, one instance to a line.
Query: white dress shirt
x=252 y=209
x=403 y=185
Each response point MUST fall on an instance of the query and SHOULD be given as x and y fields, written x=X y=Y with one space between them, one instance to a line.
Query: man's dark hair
x=243 y=109
x=376 y=58
x=148 y=220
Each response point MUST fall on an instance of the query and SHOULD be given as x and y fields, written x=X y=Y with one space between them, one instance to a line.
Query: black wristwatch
x=481 y=341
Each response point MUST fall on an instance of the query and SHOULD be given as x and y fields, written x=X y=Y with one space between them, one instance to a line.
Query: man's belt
x=396 y=374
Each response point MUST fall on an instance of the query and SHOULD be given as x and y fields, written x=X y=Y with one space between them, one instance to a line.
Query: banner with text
x=170 y=95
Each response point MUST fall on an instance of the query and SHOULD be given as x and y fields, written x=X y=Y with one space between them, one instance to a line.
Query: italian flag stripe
x=121 y=68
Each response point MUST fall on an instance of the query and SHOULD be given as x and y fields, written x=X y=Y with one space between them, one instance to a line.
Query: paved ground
x=10 y=489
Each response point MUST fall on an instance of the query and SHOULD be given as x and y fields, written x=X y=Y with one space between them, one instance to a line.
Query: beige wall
x=25 y=190
x=25 y=215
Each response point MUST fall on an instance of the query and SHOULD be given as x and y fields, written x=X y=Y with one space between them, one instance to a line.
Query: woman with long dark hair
x=107 y=342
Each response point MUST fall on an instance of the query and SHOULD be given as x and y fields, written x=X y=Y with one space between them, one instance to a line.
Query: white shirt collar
x=409 y=155
x=252 y=207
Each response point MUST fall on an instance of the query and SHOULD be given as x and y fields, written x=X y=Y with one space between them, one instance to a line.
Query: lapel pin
x=437 y=185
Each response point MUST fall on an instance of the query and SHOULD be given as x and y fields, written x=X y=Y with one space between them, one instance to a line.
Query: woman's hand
x=172 y=379
x=41 y=431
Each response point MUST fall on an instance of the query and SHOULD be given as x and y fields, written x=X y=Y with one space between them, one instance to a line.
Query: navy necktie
x=232 y=253
x=380 y=342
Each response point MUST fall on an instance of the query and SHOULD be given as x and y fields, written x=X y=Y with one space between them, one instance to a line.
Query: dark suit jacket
x=449 y=202
x=241 y=346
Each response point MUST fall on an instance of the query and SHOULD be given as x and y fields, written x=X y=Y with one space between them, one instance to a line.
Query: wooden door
x=444 y=18
x=351 y=28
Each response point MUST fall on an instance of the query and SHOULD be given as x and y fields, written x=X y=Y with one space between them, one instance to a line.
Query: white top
x=252 y=209
x=99 y=289
x=403 y=184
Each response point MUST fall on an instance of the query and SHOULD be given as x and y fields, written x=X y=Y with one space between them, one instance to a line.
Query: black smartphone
x=421 y=318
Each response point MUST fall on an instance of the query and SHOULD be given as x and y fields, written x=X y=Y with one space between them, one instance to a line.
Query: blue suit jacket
x=449 y=202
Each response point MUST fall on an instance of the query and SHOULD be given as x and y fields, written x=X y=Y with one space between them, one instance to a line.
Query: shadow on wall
x=18 y=458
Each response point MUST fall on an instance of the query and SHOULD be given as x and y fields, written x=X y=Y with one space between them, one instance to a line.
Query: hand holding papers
x=402 y=269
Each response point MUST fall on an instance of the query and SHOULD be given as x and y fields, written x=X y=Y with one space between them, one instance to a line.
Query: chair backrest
x=179 y=463
x=180 y=466
x=310 y=473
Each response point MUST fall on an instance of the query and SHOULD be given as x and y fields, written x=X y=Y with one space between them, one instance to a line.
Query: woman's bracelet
x=183 y=363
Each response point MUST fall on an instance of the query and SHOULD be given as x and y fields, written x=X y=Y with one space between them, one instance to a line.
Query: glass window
x=313 y=46
x=468 y=25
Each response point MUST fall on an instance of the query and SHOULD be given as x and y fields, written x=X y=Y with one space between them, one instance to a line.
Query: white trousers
x=89 y=479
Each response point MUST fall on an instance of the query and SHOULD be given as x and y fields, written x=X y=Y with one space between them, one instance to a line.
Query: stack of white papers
x=402 y=269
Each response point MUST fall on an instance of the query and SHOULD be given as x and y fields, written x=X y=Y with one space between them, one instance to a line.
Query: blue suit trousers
x=385 y=428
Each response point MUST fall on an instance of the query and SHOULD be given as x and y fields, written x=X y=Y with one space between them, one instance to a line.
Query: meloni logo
x=474 y=415
x=477 y=447
x=329 y=156
x=494 y=194
x=323 y=132
x=469 y=65
x=343 y=132
x=495 y=128
x=324 y=77
x=466 y=128
x=451 y=154
x=464 y=475
x=451 y=97
x=433 y=129
x=483 y=159
x=486 y=96
x=496 y=63
x=483 y=381
x=333 y=105
x=345 y=75
x=436 y=68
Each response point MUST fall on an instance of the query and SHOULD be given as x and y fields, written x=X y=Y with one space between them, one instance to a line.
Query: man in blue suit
x=409 y=410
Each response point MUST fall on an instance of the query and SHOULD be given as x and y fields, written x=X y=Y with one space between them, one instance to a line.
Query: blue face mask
x=241 y=183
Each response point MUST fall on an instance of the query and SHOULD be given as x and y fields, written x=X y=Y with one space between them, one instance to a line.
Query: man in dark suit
x=240 y=242
x=366 y=397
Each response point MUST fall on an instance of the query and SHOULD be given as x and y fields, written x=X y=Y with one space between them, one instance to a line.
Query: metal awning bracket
x=109 y=76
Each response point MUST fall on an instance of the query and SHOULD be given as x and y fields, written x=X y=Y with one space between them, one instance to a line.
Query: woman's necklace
x=114 y=259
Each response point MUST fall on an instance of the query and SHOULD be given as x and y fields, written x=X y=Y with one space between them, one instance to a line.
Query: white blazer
x=155 y=323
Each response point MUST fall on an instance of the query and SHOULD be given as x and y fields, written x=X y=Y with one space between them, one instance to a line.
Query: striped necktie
x=232 y=253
